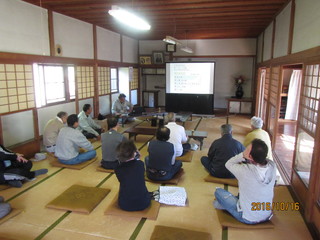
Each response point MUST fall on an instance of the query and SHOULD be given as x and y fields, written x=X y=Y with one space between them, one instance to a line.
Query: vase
x=239 y=92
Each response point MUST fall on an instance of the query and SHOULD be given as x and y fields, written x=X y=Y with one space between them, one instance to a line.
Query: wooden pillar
x=1 y=131
x=95 y=73
x=292 y=14
x=51 y=33
x=273 y=37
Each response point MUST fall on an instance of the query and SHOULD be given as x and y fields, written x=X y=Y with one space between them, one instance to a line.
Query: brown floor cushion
x=96 y=144
x=14 y=212
x=186 y=157
x=228 y=181
x=151 y=212
x=79 y=198
x=226 y=220
x=54 y=162
x=172 y=233
x=174 y=180
x=101 y=169
x=4 y=187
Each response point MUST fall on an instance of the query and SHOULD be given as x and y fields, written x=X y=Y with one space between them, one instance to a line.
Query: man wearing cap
x=122 y=108
x=259 y=133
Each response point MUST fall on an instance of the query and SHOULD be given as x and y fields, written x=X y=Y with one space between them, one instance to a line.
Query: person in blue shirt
x=220 y=151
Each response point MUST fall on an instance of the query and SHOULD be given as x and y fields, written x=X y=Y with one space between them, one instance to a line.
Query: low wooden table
x=134 y=131
x=196 y=135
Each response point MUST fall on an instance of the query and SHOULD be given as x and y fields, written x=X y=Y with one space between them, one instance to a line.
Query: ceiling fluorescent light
x=171 y=40
x=186 y=49
x=128 y=18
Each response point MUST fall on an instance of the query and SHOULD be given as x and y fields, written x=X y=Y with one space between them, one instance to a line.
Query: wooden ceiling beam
x=77 y=12
x=147 y=4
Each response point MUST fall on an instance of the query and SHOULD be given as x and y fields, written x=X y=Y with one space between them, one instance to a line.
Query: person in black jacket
x=14 y=168
x=133 y=193
x=161 y=164
x=220 y=151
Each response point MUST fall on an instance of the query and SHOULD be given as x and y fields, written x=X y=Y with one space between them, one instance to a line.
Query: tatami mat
x=199 y=215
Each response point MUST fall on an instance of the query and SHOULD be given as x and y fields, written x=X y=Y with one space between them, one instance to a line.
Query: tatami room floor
x=38 y=222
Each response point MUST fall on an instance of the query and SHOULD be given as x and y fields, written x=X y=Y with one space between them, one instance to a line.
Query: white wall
x=104 y=105
x=47 y=113
x=23 y=28
x=74 y=36
x=108 y=45
x=17 y=127
x=267 y=42
x=306 y=32
x=129 y=50
x=226 y=70
x=205 y=47
x=282 y=32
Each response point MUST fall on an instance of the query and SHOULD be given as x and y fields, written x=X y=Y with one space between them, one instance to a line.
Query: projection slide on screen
x=190 y=78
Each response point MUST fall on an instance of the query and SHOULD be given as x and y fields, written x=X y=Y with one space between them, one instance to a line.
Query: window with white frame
x=114 y=79
x=53 y=84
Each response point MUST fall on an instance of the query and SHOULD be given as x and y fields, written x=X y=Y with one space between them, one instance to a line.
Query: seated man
x=52 y=129
x=161 y=164
x=110 y=141
x=69 y=140
x=258 y=132
x=220 y=151
x=121 y=108
x=87 y=125
x=178 y=136
x=256 y=182
x=14 y=168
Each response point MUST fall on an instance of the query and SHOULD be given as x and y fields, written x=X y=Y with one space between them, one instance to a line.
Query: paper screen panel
x=16 y=87
x=85 y=81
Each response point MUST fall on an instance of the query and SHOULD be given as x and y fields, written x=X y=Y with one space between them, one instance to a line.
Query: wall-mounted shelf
x=153 y=71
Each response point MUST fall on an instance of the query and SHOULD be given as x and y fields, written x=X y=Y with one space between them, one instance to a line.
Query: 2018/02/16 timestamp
x=275 y=206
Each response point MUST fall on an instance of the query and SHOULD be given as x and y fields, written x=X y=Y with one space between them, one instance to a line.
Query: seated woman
x=133 y=193
x=14 y=168
x=161 y=164
x=109 y=142
x=69 y=140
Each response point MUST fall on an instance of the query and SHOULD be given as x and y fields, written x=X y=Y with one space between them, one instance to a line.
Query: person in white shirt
x=69 y=140
x=87 y=125
x=122 y=108
x=51 y=131
x=178 y=136
x=256 y=175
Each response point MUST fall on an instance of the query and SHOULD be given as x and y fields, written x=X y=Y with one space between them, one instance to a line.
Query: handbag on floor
x=172 y=196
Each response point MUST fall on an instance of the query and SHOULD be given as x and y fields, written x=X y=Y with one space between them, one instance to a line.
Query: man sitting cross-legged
x=109 y=143
x=178 y=136
x=69 y=141
x=256 y=175
x=87 y=125
x=161 y=164
x=51 y=131
x=220 y=151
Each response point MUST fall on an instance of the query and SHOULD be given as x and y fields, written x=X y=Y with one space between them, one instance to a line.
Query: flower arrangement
x=239 y=81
